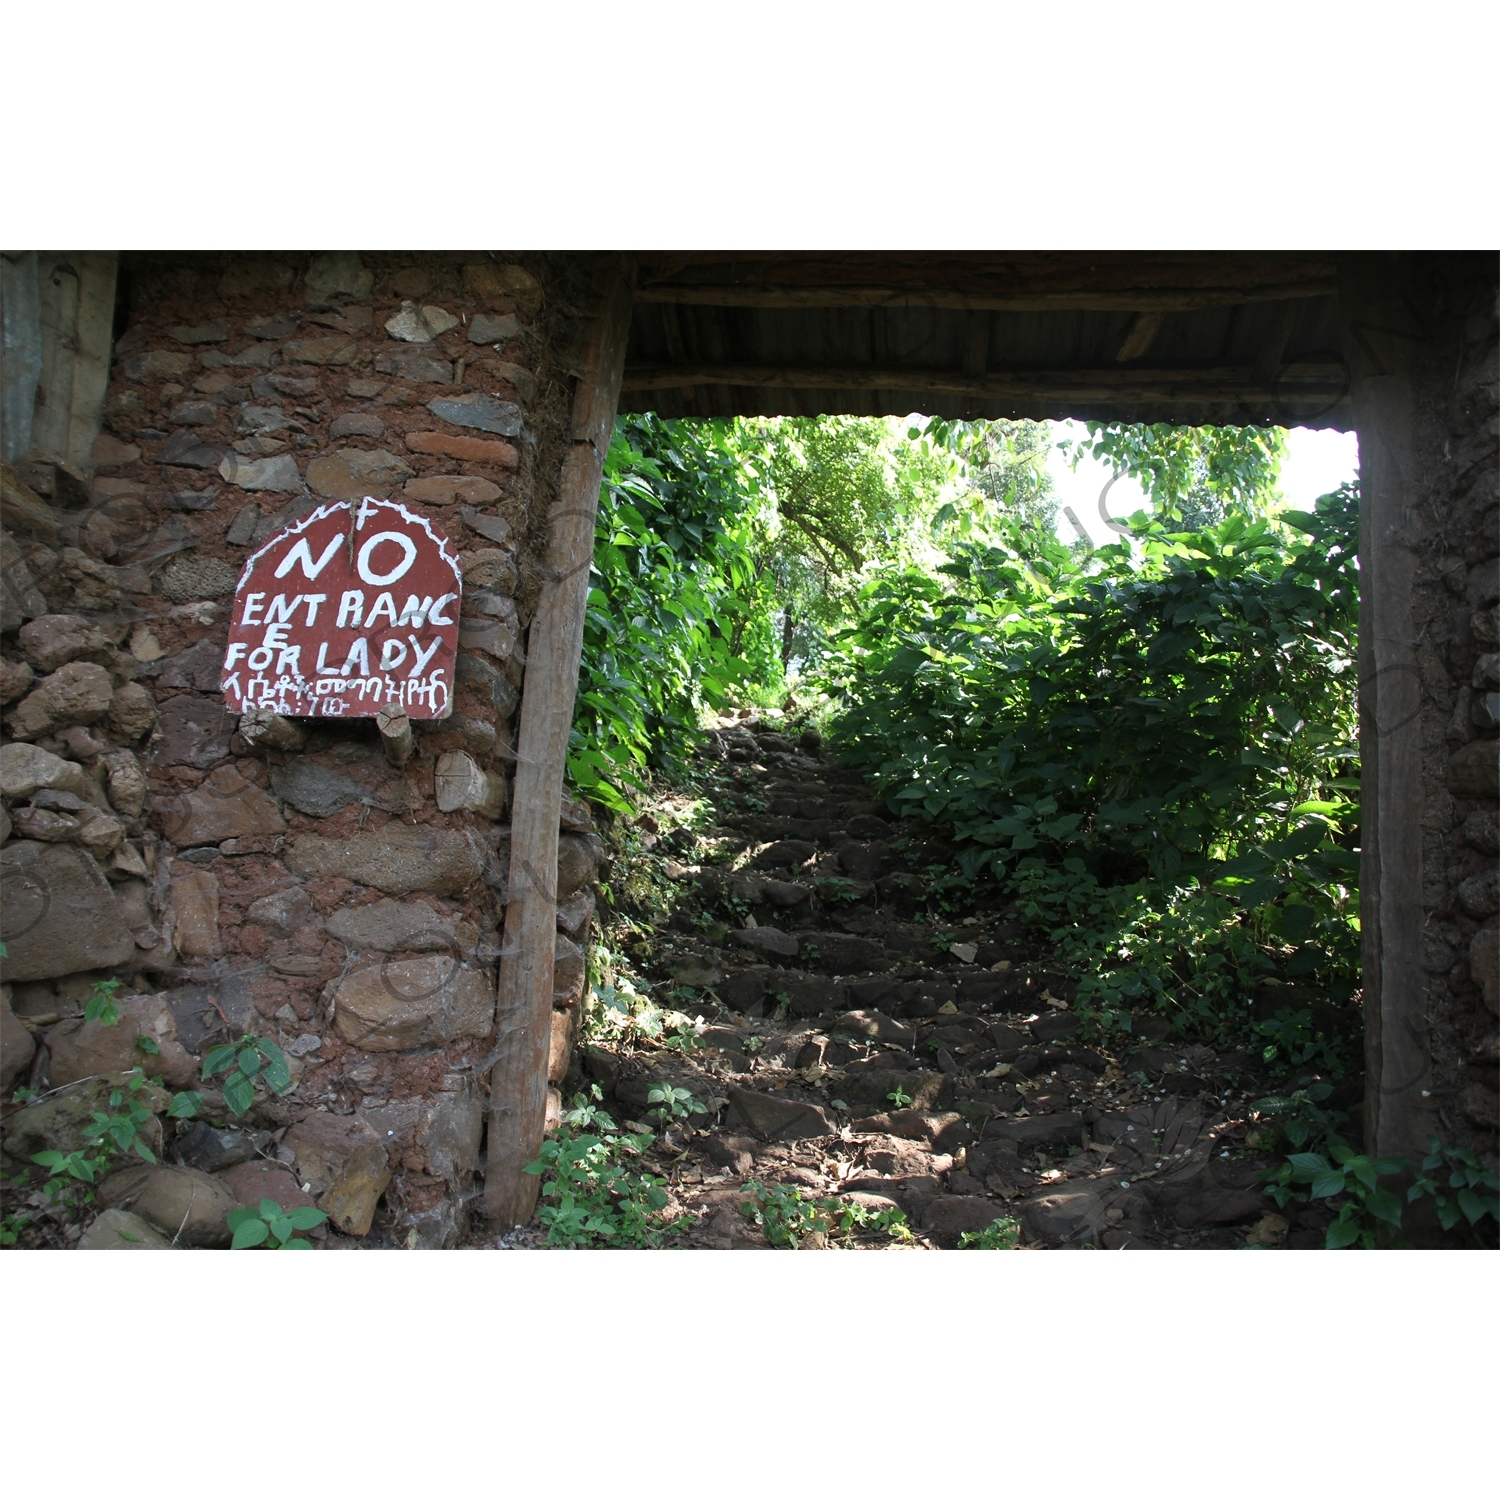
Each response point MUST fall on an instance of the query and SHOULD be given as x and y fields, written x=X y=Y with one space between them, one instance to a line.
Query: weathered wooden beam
x=1140 y=336
x=997 y=273
x=977 y=348
x=1193 y=386
x=1268 y=360
x=518 y=1081
x=1083 y=298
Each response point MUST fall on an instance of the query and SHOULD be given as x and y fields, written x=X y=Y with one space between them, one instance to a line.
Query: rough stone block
x=119 y=1229
x=60 y=914
x=224 y=806
x=355 y=1193
x=768 y=940
x=475 y=450
x=398 y=859
x=775 y=1119
x=78 y=693
x=25 y=769
x=82 y=1049
x=55 y=1122
x=462 y=785
x=187 y=1205
x=277 y=474
x=413 y=1002
x=319 y=1145
x=388 y=926
x=195 y=912
x=52 y=641
x=353 y=473
x=420 y=325
x=474 y=409
x=318 y=791
x=1474 y=772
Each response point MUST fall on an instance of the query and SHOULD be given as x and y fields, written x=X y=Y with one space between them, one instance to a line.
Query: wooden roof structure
x=1189 y=337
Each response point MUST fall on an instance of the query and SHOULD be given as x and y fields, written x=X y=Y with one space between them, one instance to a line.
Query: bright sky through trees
x=1316 y=463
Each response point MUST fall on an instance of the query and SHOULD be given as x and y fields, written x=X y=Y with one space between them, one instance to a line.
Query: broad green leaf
x=239 y=1093
x=218 y=1058
x=1326 y=1184
x=249 y=1234
x=1295 y=845
x=1473 y=1207
x=1307 y=1164
x=1341 y=1234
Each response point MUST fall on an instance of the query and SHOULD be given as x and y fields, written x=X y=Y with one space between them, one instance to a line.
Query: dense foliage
x=725 y=553
x=670 y=626
x=1194 y=476
x=1151 y=743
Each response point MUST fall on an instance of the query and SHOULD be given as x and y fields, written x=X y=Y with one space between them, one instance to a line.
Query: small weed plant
x=100 y=1005
x=787 y=1217
x=1003 y=1234
x=272 y=1227
x=673 y=1104
x=596 y=1195
x=245 y=1063
x=1465 y=1199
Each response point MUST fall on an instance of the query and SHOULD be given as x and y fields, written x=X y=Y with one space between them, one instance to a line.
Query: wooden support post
x=518 y=1083
x=1402 y=358
x=262 y=727
x=395 y=734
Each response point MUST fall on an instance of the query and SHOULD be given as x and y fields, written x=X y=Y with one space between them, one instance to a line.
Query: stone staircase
x=867 y=1031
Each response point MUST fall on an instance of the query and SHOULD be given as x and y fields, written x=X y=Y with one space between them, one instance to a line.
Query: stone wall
x=304 y=887
x=1457 y=614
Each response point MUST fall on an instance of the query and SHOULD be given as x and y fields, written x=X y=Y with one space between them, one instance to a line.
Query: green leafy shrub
x=787 y=1216
x=1466 y=1199
x=597 y=1199
x=1151 y=745
x=669 y=571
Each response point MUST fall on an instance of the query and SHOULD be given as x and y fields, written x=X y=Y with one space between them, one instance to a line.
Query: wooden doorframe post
x=1402 y=352
x=518 y=1082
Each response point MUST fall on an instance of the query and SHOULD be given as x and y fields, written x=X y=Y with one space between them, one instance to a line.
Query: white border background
x=792 y=125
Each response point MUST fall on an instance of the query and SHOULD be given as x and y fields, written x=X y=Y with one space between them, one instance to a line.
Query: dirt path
x=872 y=1040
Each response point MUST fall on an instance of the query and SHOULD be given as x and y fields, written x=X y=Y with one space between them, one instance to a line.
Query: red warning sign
x=344 y=612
